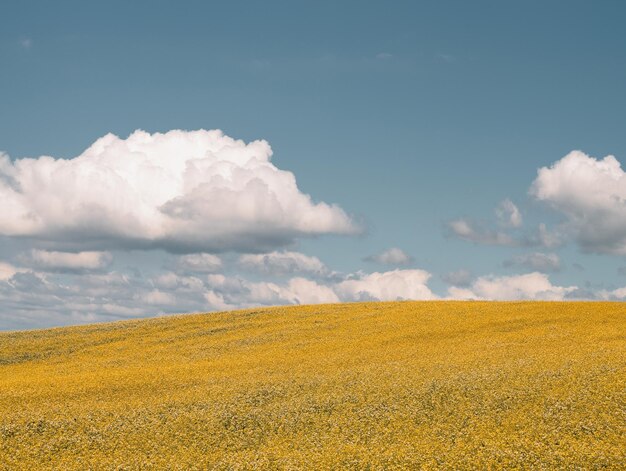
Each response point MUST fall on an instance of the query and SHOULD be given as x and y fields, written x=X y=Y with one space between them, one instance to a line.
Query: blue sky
x=410 y=117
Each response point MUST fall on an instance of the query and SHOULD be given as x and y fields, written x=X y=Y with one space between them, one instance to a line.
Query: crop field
x=431 y=385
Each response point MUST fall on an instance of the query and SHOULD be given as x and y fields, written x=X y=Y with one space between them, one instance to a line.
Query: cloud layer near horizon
x=30 y=298
x=529 y=286
x=183 y=191
x=199 y=193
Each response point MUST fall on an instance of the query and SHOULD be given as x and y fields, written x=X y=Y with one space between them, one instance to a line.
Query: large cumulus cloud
x=591 y=194
x=181 y=191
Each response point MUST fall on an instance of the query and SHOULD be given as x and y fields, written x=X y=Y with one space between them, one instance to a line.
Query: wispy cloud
x=392 y=256
x=543 y=262
x=26 y=43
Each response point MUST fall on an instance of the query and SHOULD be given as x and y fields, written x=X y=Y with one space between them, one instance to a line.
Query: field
x=469 y=385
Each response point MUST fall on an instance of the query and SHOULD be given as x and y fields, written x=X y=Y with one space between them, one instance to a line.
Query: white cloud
x=66 y=261
x=392 y=256
x=283 y=263
x=508 y=214
x=305 y=291
x=172 y=281
x=530 y=286
x=386 y=286
x=618 y=294
x=158 y=298
x=591 y=194
x=544 y=262
x=199 y=263
x=181 y=191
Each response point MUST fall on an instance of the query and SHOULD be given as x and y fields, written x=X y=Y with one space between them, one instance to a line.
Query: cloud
x=509 y=217
x=7 y=270
x=66 y=261
x=591 y=195
x=283 y=263
x=158 y=298
x=544 y=237
x=386 y=286
x=392 y=256
x=464 y=229
x=33 y=299
x=183 y=191
x=510 y=220
x=467 y=230
x=531 y=286
x=618 y=294
x=508 y=214
x=392 y=285
x=198 y=263
x=458 y=278
x=543 y=262
x=26 y=43
x=304 y=291
x=448 y=58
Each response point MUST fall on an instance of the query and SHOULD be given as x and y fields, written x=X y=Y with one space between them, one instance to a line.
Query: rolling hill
x=349 y=386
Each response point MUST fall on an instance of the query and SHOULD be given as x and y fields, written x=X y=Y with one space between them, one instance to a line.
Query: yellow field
x=359 y=386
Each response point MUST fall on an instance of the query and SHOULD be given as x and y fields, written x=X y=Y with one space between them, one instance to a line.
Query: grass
x=471 y=385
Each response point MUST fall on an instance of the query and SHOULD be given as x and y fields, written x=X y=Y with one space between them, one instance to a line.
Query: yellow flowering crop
x=430 y=385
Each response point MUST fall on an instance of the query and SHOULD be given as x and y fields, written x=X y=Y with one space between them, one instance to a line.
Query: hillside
x=384 y=385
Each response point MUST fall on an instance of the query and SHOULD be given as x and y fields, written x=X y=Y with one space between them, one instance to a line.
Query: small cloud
x=464 y=229
x=26 y=43
x=383 y=56
x=448 y=58
x=158 y=298
x=392 y=256
x=545 y=238
x=543 y=262
x=508 y=214
x=510 y=218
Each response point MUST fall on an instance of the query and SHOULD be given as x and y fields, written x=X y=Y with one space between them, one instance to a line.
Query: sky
x=163 y=157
